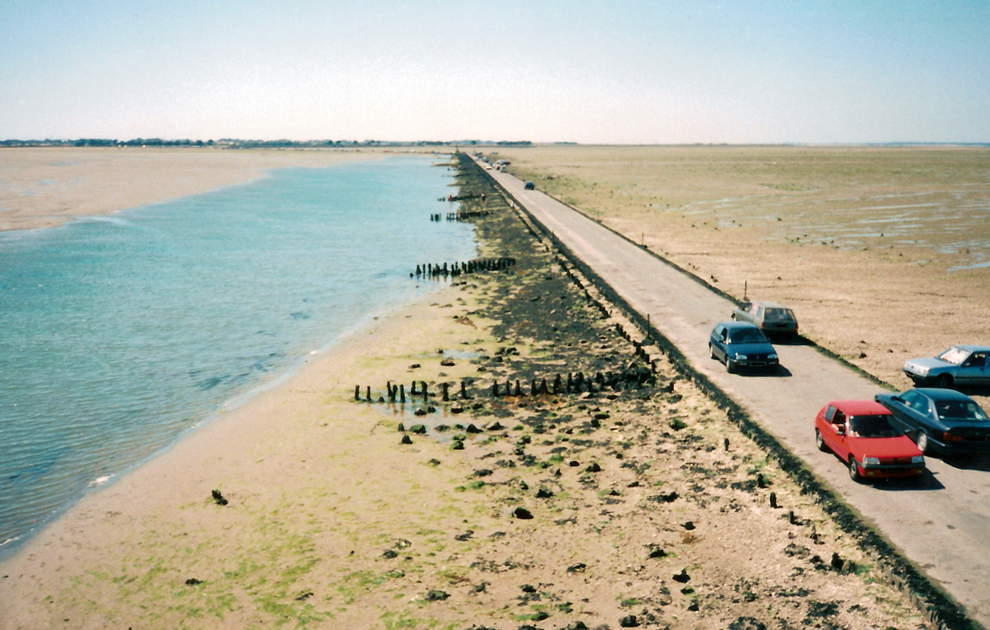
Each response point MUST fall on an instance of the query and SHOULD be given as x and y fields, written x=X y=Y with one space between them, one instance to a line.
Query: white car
x=960 y=365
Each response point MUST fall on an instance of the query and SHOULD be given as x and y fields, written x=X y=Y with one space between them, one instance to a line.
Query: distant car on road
x=958 y=366
x=741 y=345
x=772 y=318
x=860 y=432
x=529 y=186
x=940 y=420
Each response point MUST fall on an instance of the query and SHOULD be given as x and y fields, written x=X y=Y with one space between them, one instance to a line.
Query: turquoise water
x=119 y=333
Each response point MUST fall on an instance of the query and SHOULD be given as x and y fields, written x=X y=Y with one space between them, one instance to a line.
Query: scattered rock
x=406 y=440
x=682 y=577
x=543 y=493
x=577 y=568
x=629 y=621
x=389 y=554
x=419 y=428
x=593 y=468
x=437 y=596
x=218 y=498
x=193 y=582
x=528 y=588
x=522 y=513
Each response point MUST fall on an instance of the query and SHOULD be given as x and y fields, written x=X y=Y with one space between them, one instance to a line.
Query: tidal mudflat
x=882 y=252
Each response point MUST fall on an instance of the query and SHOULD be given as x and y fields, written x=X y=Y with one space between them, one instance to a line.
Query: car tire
x=944 y=381
x=820 y=442
x=922 y=441
x=711 y=351
x=854 y=470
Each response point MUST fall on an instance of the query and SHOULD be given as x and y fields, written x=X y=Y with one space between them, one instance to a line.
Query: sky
x=617 y=72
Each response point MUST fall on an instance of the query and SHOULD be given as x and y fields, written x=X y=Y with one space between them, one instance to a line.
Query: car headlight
x=871 y=461
x=918 y=459
x=772 y=356
x=920 y=371
x=741 y=357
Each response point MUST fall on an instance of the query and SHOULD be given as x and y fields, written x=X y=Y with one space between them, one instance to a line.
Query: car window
x=778 y=315
x=829 y=413
x=960 y=410
x=747 y=335
x=915 y=401
x=977 y=359
x=954 y=355
x=872 y=426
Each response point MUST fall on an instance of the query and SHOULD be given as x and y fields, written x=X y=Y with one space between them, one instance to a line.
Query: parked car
x=529 y=186
x=741 y=345
x=940 y=420
x=772 y=318
x=861 y=433
x=957 y=366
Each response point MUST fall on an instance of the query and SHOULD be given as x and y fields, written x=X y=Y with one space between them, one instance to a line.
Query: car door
x=908 y=411
x=834 y=438
x=741 y=314
x=973 y=370
x=718 y=342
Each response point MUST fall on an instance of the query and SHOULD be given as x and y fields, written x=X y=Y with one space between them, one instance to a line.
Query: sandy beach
x=636 y=503
x=45 y=187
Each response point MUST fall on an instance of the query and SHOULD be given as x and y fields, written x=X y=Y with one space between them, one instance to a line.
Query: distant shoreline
x=47 y=187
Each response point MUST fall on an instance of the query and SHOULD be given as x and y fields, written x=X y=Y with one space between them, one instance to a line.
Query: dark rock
x=629 y=621
x=522 y=513
x=528 y=588
x=420 y=412
x=682 y=577
x=746 y=623
x=543 y=493
x=193 y=582
x=389 y=554
x=437 y=596
x=593 y=468
x=434 y=462
x=406 y=440
x=495 y=426
x=837 y=562
x=218 y=498
x=472 y=429
x=418 y=428
x=657 y=552
x=576 y=625
x=577 y=568
x=457 y=445
x=482 y=472
x=401 y=427
x=465 y=536
x=688 y=525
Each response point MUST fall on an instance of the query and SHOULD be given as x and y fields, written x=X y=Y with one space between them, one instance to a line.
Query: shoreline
x=47 y=187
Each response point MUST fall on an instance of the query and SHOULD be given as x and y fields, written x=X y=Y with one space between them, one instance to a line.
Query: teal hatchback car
x=741 y=345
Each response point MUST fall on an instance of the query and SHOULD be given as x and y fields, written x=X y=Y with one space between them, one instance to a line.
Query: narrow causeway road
x=941 y=523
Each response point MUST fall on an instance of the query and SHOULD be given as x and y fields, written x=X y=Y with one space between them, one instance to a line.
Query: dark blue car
x=940 y=420
x=741 y=345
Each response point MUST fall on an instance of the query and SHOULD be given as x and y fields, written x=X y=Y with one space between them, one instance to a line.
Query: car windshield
x=747 y=335
x=778 y=315
x=960 y=410
x=954 y=355
x=873 y=426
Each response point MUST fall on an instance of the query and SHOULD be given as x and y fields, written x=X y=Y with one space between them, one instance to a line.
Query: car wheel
x=711 y=351
x=820 y=441
x=854 y=470
x=922 y=442
x=944 y=381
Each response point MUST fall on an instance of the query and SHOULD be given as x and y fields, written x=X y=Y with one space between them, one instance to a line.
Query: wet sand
x=45 y=187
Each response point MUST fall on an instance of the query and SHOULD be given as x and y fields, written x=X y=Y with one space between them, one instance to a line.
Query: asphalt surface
x=941 y=523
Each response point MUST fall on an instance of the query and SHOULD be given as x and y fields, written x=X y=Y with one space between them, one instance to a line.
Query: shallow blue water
x=119 y=333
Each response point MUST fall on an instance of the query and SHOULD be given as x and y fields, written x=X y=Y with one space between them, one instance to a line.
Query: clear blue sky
x=625 y=72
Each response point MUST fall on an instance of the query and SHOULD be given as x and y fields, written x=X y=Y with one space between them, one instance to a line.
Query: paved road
x=942 y=524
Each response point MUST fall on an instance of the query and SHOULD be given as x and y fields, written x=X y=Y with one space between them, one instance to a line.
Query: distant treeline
x=246 y=144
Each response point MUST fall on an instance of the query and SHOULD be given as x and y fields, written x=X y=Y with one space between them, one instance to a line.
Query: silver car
x=964 y=366
x=773 y=319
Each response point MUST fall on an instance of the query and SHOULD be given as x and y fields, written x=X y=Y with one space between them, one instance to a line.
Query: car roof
x=936 y=393
x=768 y=304
x=970 y=348
x=737 y=325
x=860 y=407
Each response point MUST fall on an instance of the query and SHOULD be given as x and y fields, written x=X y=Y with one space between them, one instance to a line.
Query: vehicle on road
x=940 y=420
x=776 y=320
x=959 y=366
x=529 y=186
x=861 y=434
x=741 y=345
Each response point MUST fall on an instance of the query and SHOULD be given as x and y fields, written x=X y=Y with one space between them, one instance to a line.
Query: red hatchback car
x=861 y=434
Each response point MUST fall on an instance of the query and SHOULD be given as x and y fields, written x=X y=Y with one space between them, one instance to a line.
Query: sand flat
x=45 y=187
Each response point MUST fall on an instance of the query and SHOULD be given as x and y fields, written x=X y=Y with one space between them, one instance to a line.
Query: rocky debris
x=218 y=498
x=406 y=440
x=193 y=582
x=629 y=621
x=437 y=596
x=682 y=577
x=522 y=513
